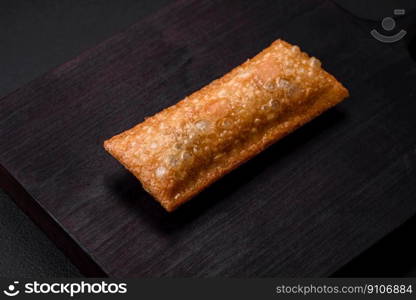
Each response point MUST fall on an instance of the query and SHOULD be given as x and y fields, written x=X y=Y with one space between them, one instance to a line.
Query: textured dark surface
x=25 y=251
x=393 y=256
x=304 y=207
x=36 y=36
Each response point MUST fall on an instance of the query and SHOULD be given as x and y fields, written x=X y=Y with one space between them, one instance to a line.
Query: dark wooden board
x=304 y=207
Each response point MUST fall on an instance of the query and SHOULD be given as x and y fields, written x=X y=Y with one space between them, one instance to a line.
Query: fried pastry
x=186 y=147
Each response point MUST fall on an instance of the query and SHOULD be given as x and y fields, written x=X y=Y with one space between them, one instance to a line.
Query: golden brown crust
x=186 y=147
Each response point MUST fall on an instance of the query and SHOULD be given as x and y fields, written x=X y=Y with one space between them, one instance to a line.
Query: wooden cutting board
x=304 y=207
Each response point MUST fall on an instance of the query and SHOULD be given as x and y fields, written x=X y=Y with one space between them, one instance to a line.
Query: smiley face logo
x=11 y=290
x=389 y=24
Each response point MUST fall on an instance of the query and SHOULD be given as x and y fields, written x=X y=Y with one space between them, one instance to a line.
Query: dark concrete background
x=36 y=36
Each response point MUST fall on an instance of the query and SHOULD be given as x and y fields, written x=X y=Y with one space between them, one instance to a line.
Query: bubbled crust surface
x=181 y=150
